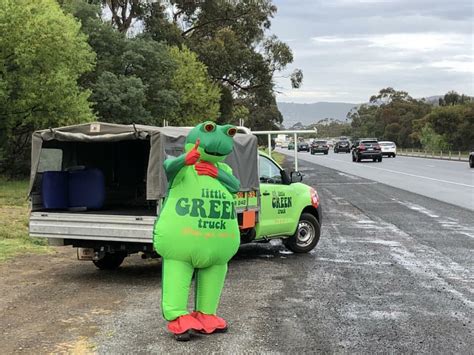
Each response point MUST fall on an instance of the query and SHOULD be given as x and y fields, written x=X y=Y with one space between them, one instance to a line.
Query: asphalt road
x=392 y=274
x=444 y=180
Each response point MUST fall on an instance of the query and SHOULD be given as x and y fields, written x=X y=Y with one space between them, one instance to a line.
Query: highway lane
x=447 y=181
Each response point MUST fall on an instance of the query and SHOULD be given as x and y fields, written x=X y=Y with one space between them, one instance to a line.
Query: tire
x=326 y=153
x=394 y=155
x=471 y=162
x=306 y=236
x=379 y=159
x=374 y=159
x=110 y=261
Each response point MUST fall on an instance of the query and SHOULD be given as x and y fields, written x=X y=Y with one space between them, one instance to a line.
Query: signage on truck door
x=276 y=200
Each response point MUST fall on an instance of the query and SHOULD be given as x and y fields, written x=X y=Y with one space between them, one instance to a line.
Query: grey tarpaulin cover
x=164 y=142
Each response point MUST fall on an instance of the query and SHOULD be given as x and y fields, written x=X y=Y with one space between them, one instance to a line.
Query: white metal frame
x=293 y=132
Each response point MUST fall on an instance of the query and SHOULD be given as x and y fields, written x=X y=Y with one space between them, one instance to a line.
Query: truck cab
x=288 y=208
x=99 y=187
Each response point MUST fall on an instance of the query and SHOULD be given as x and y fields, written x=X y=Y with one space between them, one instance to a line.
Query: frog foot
x=181 y=326
x=210 y=323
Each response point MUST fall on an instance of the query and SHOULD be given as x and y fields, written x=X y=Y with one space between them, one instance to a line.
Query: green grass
x=278 y=157
x=14 y=237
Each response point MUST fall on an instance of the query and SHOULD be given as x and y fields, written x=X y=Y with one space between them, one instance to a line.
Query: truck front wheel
x=306 y=236
x=110 y=261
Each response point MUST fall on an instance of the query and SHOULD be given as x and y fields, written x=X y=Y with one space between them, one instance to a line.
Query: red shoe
x=210 y=323
x=181 y=326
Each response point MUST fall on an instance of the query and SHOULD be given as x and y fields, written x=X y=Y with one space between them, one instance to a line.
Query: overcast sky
x=350 y=49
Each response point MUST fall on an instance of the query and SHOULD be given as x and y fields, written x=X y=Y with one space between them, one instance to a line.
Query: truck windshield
x=268 y=171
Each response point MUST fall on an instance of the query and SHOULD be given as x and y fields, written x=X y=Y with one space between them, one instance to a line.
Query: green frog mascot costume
x=197 y=232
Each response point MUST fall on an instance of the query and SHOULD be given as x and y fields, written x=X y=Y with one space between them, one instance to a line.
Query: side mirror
x=296 y=176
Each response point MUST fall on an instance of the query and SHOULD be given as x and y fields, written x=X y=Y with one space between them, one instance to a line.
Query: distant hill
x=312 y=113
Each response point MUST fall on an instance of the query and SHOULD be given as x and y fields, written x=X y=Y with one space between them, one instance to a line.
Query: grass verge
x=278 y=157
x=14 y=237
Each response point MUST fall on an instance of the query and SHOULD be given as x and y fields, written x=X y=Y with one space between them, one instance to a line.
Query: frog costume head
x=216 y=142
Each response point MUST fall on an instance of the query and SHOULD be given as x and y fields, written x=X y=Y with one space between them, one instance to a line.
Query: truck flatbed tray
x=92 y=226
x=112 y=211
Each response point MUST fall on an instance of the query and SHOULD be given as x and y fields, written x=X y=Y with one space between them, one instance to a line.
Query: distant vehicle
x=291 y=146
x=319 y=146
x=388 y=148
x=342 y=146
x=471 y=159
x=366 y=148
x=303 y=146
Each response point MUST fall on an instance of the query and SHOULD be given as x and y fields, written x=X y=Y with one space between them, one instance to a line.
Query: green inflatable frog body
x=197 y=232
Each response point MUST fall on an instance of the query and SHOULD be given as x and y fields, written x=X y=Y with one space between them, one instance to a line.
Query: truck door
x=276 y=200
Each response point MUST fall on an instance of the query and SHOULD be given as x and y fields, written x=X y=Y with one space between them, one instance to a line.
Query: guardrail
x=444 y=155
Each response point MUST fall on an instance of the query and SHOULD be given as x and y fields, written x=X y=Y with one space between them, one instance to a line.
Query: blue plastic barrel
x=86 y=189
x=54 y=189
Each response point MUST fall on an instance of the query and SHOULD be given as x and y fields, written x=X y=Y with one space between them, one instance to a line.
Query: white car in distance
x=388 y=148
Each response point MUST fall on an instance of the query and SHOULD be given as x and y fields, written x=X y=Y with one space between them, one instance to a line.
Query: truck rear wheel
x=110 y=261
x=306 y=236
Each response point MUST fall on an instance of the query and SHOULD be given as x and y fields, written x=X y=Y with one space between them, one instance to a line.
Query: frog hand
x=206 y=168
x=193 y=155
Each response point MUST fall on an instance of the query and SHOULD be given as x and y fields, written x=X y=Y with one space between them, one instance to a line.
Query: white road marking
x=437 y=269
x=348 y=176
x=402 y=173
x=450 y=224
x=347 y=183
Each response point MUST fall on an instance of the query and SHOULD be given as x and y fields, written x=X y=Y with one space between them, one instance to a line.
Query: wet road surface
x=391 y=273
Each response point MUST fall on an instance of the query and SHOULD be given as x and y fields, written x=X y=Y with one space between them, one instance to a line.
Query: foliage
x=134 y=83
x=43 y=53
x=229 y=37
x=332 y=129
x=142 y=80
x=455 y=124
x=120 y=99
x=453 y=98
x=396 y=116
x=198 y=96
x=432 y=141
x=390 y=116
x=124 y=12
x=14 y=237
x=363 y=121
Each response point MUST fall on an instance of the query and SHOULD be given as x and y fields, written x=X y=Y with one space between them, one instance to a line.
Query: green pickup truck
x=99 y=187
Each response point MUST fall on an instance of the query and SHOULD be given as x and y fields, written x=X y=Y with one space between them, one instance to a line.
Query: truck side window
x=51 y=159
x=268 y=172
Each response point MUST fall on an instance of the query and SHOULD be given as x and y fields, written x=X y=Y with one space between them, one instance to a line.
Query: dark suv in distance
x=366 y=148
x=319 y=147
x=342 y=146
x=302 y=146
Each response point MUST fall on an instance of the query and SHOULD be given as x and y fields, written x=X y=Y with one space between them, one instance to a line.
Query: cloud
x=350 y=49
x=414 y=42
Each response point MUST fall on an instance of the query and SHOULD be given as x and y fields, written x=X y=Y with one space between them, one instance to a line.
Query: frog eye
x=231 y=131
x=209 y=127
